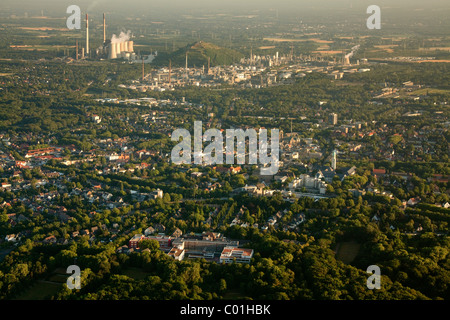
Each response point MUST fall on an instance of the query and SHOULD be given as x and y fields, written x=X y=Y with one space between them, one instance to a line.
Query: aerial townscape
x=88 y=127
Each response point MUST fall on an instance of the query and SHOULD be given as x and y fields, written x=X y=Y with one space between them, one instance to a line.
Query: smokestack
x=186 y=68
x=104 y=28
x=170 y=71
x=143 y=69
x=87 y=35
x=82 y=53
x=76 y=51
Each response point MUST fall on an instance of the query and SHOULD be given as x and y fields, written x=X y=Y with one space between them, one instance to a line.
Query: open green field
x=58 y=278
x=39 y=291
x=42 y=289
x=135 y=273
x=429 y=91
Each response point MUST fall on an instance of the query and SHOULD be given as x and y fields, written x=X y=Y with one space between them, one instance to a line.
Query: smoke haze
x=121 y=38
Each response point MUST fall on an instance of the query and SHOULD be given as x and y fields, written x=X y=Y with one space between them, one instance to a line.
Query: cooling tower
x=130 y=46
x=118 y=51
x=125 y=46
x=346 y=61
x=122 y=46
x=112 y=54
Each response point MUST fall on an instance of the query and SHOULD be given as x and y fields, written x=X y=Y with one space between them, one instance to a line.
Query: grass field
x=329 y=52
x=39 y=291
x=388 y=48
x=135 y=273
x=42 y=289
x=436 y=49
x=435 y=61
x=59 y=278
x=429 y=91
x=347 y=251
x=40 y=47
x=298 y=40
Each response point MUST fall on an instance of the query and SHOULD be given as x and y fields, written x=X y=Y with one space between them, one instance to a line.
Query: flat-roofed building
x=333 y=118
x=234 y=254
x=134 y=241
x=164 y=242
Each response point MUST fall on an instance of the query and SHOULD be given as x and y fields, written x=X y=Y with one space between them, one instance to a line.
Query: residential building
x=332 y=118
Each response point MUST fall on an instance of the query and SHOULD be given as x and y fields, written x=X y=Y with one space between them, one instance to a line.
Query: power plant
x=117 y=47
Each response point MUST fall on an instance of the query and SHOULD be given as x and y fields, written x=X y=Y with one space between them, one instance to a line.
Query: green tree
x=151 y=244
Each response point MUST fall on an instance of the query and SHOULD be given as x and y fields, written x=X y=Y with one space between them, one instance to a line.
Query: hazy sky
x=145 y=5
x=165 y=10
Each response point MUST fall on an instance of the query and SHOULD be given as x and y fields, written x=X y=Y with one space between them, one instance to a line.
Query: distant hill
x=198 y=54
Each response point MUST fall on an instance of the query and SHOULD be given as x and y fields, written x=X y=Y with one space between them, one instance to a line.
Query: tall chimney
x=170 y=71
x=104 y=28
x=87 y=35
x=209 y=64
x=143 y=69
x=186 y=68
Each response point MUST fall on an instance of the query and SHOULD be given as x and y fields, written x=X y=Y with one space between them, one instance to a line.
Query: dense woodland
x=287 y=265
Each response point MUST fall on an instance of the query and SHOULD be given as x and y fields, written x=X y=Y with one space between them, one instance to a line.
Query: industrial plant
x=115 y=48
